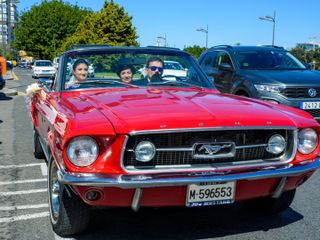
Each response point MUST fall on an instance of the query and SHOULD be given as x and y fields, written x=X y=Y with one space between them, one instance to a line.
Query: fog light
x=93 y=195
x=276 y=144
x=145 y=151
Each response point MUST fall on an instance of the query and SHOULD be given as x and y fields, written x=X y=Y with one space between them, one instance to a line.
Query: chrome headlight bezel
x=145 y=151
x=82 y=151
x=307 y=140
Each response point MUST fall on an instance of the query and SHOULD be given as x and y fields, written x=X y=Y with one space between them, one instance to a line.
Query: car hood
x=154 y=109
x=287 y=77
x=44 y=68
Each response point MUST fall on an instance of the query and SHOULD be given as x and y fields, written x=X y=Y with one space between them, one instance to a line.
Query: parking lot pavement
x=7 y=90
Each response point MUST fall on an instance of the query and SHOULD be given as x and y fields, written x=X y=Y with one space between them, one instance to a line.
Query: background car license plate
x=309 y=105
x=210 y=193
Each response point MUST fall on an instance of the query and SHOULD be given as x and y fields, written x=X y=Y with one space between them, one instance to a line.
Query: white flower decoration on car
x=32 y=88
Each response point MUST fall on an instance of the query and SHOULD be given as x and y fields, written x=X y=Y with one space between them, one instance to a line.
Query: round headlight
x=276 y=144
x=82 y=151
x=307 y=140
x=145 y=151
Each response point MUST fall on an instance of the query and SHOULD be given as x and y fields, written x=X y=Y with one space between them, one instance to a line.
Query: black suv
x=267 y=72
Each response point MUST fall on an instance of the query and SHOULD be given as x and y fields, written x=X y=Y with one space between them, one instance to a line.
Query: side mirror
x=225 y=67
x=45 y=82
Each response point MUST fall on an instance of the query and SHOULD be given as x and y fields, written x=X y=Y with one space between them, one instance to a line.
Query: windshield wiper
x=172 y=83
x=104 y=82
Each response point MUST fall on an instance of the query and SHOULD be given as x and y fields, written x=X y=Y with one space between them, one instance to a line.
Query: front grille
x=299 y=92
x=174 y=149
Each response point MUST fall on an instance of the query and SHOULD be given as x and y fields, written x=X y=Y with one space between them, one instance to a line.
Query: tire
x=271 y=206
x=69 y=215
x=38 y=151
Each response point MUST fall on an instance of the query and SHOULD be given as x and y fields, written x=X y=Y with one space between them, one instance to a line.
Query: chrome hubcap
x=55 y=193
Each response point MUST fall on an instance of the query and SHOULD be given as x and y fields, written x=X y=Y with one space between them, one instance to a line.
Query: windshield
x=134 y=68
x=43 y=64
x=267 y=59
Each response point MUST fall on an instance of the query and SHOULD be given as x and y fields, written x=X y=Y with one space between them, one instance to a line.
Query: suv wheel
x=242 y=93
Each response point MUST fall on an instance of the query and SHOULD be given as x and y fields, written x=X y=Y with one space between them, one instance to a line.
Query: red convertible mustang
x=161 y=141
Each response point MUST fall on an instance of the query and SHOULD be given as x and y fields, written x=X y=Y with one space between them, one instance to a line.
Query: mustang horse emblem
x=213 y=149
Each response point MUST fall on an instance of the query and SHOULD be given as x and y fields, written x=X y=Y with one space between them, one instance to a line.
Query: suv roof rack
x=88 y=45
x=279 y=47
x=173 y=48
x=222 y=46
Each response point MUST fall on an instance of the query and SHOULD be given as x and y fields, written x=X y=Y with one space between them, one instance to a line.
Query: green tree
x=301 y=54
x=42 y=29
x=111 y=25
x=195 y=50
x=307 y=56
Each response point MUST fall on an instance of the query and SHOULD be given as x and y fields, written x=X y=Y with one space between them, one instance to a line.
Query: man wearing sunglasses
x=154 y=70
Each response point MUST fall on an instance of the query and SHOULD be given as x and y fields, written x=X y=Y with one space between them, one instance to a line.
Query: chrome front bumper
x=181 y=178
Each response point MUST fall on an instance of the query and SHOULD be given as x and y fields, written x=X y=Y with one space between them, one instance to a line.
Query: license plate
x=309 y=105
x=210 y=193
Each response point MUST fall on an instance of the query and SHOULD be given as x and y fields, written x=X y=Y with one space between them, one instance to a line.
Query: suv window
x=267 y=59
x=209 y=59
x=222 y=57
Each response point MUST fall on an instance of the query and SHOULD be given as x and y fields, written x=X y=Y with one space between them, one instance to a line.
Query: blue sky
x=229 y=21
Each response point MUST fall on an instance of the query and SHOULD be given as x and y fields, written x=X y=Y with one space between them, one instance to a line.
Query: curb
x=9 y=92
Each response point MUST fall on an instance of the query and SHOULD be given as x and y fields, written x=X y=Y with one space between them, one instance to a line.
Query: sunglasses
x=153 y=68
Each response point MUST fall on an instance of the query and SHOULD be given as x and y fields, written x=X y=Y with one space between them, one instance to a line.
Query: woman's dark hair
x=79 y=61
x=123 y=67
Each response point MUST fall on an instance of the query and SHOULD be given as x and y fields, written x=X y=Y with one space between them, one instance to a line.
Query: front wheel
x=38 y=151
x=68 y=213
x=269 y=205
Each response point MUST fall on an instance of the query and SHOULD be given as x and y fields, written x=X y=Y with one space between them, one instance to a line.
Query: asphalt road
x=24 y=211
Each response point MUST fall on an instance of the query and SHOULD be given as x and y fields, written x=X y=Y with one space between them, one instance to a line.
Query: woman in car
x=125 y=73
x=80 y=73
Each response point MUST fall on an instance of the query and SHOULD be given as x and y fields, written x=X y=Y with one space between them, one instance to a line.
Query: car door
x=212 y=63
x=46 y=113
x=224 y=72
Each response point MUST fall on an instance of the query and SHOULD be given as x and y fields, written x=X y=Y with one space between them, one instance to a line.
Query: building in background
x=8 y=21
x=308 y=46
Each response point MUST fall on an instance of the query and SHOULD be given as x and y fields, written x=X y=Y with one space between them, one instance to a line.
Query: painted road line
x=56 y=237
x=23 y=207
x=43 y=167
x=24 y=181
x=24 y=217
x=20 y=165
x=22 y=94
x=15 y=77
x=23 y=192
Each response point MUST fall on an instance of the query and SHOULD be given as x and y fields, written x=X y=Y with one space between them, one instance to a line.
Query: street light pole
x=163 y=38
x=206 y=31
x=271 y=19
